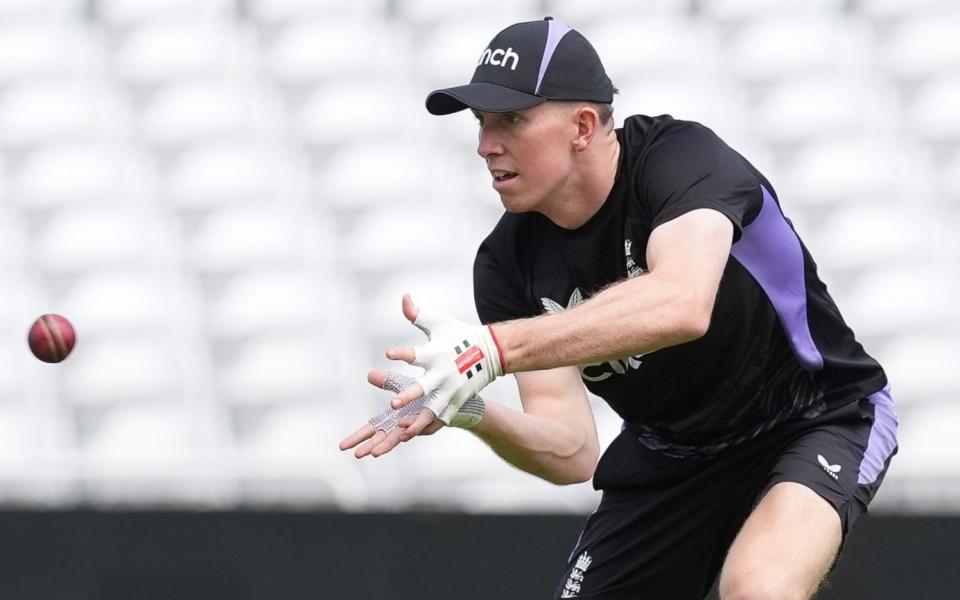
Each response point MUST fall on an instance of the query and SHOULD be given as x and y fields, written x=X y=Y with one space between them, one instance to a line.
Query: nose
x=490 y=144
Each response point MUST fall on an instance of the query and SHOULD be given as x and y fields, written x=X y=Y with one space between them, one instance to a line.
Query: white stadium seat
x=324 y=50
x=899 y=9
x=40 y=112
x=270 y=238
x=923 y=366
x=441 y=12
x=272 y=12
x=192 y=113
x=40 y=10
x=407 y=173
x=884 y=235
x=170 y=52
x=276 y=370
x=908 y=296
x=863 y=168
x=924 y=46
x=745 y=10
x=36 y=466
x=47 y=50
x=337 y=114
x=272 y=303
x=952 y=178
x=933 y=113
x=393 y=240
x=131 y=303
x=155 y=454
x=635 y=48
x=291 y=457
x=818 y=108
x=123 y=368
x=928 y=445
x=230 y=173
x=581 y=15
x=78 y=241
x=84 y=173
x=123 y=13
x=782 y=47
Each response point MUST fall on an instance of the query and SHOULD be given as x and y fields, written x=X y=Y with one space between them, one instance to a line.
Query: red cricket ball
x=51 y=338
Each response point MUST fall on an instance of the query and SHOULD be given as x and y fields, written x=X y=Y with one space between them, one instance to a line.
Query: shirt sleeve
x=690 y=167
x=497 y=291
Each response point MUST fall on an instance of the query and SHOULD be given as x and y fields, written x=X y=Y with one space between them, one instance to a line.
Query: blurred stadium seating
x=228 y=197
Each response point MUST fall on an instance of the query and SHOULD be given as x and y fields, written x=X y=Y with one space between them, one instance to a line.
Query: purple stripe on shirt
x=770 y=251
x=883 y=437
x=555 y=32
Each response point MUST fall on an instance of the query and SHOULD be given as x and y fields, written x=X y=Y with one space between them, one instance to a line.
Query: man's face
x=528 y=153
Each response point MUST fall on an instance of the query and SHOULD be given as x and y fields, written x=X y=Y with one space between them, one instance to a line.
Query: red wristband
x=496 y=342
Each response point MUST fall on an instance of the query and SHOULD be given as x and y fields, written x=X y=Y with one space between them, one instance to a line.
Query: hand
x=459 y=360
x=385 y=431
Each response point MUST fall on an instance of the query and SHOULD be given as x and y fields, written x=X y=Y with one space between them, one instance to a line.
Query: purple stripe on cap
x=770 y=250
x=883 y=437
x=555 y=32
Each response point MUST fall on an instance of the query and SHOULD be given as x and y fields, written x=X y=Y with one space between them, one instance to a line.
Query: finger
x=432 y=428
x=357 y=436
x=377 y=378
x=405 y=353
x=410 y=310
x=406 y=396
x=424 y=386
x=389 y=443
x=423 y=419
x=397 y=382
x=365 y=449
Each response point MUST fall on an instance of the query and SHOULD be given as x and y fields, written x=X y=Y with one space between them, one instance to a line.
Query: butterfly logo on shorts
x=831 y=470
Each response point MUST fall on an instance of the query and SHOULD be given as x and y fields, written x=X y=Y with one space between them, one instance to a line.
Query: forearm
x=635 y=316
x=552 y=449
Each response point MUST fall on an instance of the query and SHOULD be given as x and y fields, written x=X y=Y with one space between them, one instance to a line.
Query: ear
x=588 y=124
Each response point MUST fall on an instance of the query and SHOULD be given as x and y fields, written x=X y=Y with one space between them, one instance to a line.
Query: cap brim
x=486 y=97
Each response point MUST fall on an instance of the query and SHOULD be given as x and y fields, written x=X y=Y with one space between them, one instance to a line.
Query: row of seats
x=123 y=14
x=228 y=198
x=321 y=50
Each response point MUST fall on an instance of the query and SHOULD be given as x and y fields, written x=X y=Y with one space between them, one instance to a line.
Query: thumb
x=410 y=310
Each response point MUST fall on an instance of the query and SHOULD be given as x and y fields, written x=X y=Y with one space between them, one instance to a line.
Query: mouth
x=501 y=176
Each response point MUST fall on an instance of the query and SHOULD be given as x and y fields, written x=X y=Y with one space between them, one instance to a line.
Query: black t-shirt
x=777 y=348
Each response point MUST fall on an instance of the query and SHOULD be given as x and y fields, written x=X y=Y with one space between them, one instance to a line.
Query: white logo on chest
x=596 y=371
x=633 y=269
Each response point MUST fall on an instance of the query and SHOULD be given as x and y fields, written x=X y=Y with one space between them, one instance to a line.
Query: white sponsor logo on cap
x=499 y=57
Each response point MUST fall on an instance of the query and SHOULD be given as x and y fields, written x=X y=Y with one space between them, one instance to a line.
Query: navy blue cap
x=527 y=64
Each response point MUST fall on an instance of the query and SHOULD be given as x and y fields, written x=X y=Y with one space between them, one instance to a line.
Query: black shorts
x=664 y=524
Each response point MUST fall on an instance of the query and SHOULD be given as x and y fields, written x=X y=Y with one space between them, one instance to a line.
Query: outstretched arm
x=669 y=305
x=555 y=437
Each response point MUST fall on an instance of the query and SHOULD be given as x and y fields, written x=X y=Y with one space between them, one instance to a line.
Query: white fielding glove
x=466 y=418
x=459 y=360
